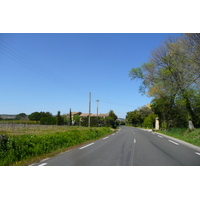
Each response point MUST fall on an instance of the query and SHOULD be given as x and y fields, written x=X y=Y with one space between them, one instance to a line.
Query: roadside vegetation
x=18 y=148
x=141 y=117
x=172 y=78
x=192 y=137
x=29 y=138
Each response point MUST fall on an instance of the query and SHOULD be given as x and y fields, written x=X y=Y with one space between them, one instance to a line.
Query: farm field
x=21 y=129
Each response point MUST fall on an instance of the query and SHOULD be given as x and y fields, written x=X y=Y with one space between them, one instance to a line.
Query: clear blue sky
x=56 y=72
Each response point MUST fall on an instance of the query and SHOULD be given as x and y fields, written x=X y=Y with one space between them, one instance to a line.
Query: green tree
x=112 y=115
x=192 y=48
x=170 y=74
x=144 y=111
x=76 y=118
x=59 y=119
x=36 y=116
x=21 y=116
x=149 y=121
x=134 y=118
x=48 y=120
x=111 y=119
x=84 y=121
x=70 y=117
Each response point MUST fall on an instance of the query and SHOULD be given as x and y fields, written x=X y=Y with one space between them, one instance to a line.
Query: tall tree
x=170 y=74
x=59 y=119
x=134 y=118
x=192 y=44
x=70 y=117
x=21 y=116
x=111 y=119
x=112 y=115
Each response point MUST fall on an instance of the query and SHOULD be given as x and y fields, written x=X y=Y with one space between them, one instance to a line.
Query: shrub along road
x=129 y=146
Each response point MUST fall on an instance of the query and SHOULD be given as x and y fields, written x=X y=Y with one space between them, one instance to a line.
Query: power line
x=27 y=62
x=14 y=54
x=118 y=104
x=31 y=64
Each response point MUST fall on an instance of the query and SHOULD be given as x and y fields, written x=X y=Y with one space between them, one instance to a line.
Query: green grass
x=192 y=137
x=27 y=146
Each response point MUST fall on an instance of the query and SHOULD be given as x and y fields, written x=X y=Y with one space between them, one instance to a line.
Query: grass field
x=24 y=145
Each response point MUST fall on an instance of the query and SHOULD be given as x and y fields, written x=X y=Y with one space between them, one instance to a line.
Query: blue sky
x=56 y=72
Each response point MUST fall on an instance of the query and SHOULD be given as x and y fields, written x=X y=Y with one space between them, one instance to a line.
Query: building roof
x=84 y=114
x=92 y=115
x=74 y=113
x=100 y=115
x=103 y=115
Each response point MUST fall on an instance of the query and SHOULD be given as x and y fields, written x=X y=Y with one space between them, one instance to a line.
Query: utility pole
x=89 y=109
x=97 y=107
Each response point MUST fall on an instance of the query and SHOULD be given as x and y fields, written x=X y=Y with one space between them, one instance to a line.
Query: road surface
x=129 y=147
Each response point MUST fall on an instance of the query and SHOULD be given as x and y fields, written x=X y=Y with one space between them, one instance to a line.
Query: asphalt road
x=129 y=147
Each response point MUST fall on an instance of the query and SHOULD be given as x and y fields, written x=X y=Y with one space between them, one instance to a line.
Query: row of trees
x=172 y=78
x=141 y=117
x=46 y=118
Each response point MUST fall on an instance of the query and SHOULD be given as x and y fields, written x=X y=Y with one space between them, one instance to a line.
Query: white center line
x=105 y=138
x=160 y=136
x=86 y=146
x=197 y=153
x=42 y=164
x=134 y=140
x=173 y=142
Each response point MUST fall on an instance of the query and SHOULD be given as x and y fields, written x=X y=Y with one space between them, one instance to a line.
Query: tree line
x=172 y=78
x=46 y=118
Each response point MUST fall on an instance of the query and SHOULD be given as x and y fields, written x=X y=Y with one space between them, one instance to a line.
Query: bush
x=48 y=120
x=149 y=121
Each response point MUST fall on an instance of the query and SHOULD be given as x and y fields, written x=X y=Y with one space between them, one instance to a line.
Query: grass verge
x=26 y=148
x=192 y=137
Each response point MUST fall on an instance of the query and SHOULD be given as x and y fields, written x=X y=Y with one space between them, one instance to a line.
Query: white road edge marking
x=86 y=146
x=42 y=164
x=106 y=138
x=173 y=142
x=197 y=153
x=113 y=134
x=160 y=136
